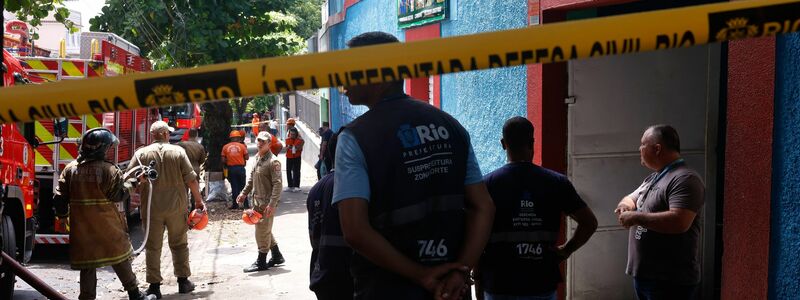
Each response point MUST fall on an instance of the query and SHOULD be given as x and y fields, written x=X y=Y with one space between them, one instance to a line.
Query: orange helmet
x=251 y=216
x=235 y=134
x=198 y=219
x=290 y=121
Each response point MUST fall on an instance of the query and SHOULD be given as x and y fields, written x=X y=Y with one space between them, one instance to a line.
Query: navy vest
x=416 y=160
x=330 y=259
x=519 y=258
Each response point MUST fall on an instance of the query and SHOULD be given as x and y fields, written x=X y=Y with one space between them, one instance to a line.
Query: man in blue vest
x=522 y=257
x=411 y=198
x=330 y=258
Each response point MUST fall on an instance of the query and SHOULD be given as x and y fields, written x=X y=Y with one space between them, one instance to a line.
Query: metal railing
x=307 y=106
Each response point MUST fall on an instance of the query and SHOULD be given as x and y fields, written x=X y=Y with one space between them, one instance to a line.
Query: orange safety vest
x=255 y=125
x=294 y=143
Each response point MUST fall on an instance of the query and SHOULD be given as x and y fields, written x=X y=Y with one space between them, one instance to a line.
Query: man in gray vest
x=664 y=218
x=411 y=198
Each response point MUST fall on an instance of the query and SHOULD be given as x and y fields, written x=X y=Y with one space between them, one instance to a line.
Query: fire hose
x=150 y=172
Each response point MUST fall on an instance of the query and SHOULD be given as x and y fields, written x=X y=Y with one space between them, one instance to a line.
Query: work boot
x=259 y=265
x=136 y=294
x=184 y=285
x=154 y=289
x=277 y=257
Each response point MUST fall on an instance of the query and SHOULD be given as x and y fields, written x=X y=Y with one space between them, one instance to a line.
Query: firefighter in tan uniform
x=197 y=157
x=265 y=182
x=87 y=191
x=169 y=205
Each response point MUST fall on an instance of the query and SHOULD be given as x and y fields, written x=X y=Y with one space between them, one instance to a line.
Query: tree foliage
x=308 y=16
x=188 y=33
x=33 y=11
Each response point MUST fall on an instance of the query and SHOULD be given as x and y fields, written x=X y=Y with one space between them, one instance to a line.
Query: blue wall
x=784 y=268
x=481 y=100
x=364 y=16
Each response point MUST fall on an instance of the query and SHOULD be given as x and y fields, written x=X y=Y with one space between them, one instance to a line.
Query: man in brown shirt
x=197 y=157
x=664 y=218
x=169 y=203
x=265 y=182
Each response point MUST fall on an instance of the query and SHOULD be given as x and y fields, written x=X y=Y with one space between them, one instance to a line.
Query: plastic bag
x=218 y=191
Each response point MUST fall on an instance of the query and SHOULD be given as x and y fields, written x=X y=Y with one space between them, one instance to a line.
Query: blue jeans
x=647 y=289
x=542 y=296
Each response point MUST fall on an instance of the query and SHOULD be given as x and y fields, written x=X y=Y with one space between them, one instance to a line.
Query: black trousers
x=293 y=171
x=335 y=291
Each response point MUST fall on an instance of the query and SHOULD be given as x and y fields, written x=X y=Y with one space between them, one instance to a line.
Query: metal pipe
x=31 y=279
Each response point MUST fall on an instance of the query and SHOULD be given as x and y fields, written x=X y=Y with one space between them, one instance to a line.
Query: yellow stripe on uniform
x=558 y=42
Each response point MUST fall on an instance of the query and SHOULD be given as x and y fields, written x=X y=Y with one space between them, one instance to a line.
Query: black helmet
x=94 y=144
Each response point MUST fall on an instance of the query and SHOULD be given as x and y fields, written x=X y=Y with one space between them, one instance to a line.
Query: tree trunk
x=216 y=127
x=240 y=106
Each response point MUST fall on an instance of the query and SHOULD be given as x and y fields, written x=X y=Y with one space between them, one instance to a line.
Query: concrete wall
x=784 y=277
x=483 y=100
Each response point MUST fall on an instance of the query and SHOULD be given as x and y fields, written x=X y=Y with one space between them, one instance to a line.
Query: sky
x=88 y=8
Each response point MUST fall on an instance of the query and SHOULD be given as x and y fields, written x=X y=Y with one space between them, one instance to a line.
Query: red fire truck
x=110 y=56
x=182 y=118
x=17 y=184
x=52 y=144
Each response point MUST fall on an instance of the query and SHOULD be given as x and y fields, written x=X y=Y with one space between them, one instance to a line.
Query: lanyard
x=655 y=180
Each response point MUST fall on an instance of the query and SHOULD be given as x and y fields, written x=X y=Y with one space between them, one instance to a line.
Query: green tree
x=308 y=15
x=262 y=103
x=188 y=33
x=33 y=11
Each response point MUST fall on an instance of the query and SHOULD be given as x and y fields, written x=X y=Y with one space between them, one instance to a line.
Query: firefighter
x=197 y=156
x=87 y=192
x=168 y=211
x=234 y=156
x=265 y=182
x=256 y=123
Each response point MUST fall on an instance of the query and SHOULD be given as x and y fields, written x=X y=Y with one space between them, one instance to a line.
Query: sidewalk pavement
x=227 y=245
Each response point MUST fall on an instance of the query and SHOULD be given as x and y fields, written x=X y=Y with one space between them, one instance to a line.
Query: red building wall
x=748 y=169
x=419 y=87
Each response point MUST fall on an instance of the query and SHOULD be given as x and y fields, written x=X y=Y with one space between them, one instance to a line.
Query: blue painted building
x=785 y=227
x=474 y=97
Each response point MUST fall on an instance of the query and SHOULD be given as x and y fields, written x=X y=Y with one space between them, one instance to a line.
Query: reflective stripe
x=419 y=211
x=89 y=202
x=52 y=239
x=333 y=241
x=524 y=236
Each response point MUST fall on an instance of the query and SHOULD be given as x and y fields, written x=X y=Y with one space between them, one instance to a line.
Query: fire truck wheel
x=8 y=241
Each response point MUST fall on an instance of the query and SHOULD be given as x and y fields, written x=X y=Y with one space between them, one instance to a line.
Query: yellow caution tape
x=633 y=33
